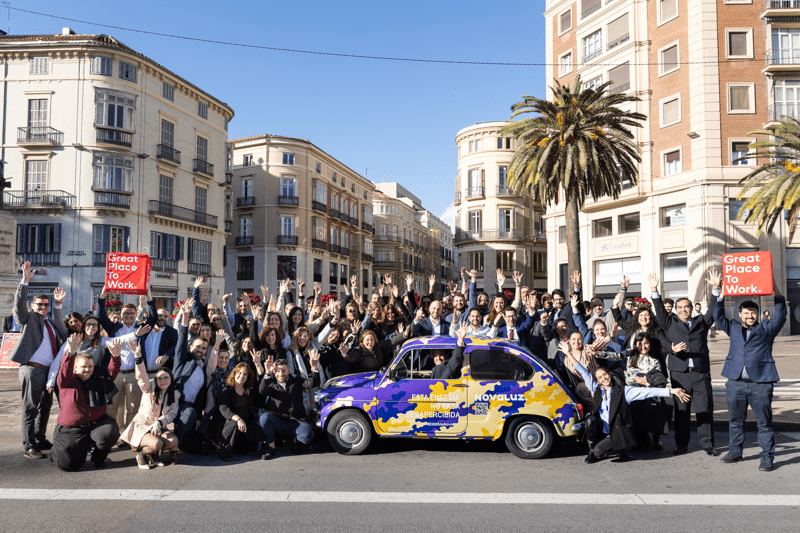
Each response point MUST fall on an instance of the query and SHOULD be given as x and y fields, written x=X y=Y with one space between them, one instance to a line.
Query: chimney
x=68 y=31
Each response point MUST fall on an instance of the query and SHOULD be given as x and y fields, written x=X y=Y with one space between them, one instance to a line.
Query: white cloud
x=449 y=217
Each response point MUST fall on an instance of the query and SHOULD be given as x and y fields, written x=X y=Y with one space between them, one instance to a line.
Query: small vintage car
x=503 y=391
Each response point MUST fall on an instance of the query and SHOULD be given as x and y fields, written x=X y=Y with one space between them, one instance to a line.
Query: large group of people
x=210 y=380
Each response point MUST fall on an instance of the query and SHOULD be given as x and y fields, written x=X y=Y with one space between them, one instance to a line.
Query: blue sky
x=397 y=119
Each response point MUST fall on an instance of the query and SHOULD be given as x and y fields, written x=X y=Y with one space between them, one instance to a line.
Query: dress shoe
x=766 y=464
x=658 y=447
x=624 y=458
x=711 y=451
x=100 y=466
x=680 y=450
x=33 y=453
x=730 y=458
x=591 y=458
x=296 y=448
x=269 y=455
x=44 y=445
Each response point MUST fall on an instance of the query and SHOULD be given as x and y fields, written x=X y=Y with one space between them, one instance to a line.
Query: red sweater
x=75 y=410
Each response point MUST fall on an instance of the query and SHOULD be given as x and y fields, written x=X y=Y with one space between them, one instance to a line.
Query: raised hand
x=501 y=278
x=187 y=305
x=162 y=360
x=565 y=348
x=74 y=342
x=27 y=272
x=432 y=280
x=517 y=277
x=317 y=289
x=624 y=282
x=409 y=281
x=530 y=304
x=455 y=316
x=58 y=295
x=573 y=300
x=396 y=291
x=115 y=348
x=353 y=280
x=576 y=278
x=461 y=333
x=652 y=280
x=142 y=300
x=714 y=278
x=269 y=365
x=199 y=281
x=143 y=330
x=301 y=284
x=464 y=274
x=226 y=297
x=134 y=347
x=313 y=358
x=282 y=286
x=419 y=314
x=264 y=293
x=543 y=318
x=355 y=326
x=103 y=293
x=473 y=275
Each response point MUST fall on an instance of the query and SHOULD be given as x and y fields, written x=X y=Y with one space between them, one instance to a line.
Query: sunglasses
x=40 y=304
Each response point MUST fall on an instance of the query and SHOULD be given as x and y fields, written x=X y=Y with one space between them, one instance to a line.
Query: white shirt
x=153 y=342
x=44 y=354
x=194 y=383
x=127 y=359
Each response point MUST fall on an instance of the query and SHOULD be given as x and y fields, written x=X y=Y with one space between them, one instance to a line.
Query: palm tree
x=778 y=180
x=580 y=142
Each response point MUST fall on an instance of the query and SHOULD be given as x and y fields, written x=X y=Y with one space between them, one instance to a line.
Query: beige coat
x=150 y=411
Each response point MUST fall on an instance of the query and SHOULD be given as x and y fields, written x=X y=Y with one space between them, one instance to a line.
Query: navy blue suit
x=523 y=330
x=751 y=373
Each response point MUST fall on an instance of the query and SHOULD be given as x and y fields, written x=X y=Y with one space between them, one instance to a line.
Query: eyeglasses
x=42 y=304
x=90 y=325
x=162 y=378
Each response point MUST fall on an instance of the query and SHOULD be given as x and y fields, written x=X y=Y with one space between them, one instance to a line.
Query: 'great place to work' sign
x=747 y=274
x=128 y=273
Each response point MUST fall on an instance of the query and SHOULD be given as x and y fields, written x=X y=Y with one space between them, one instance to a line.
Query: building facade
x=109 y=151
x=296 y=212
x=409 y=240
x=496 y=227
x=707 y=72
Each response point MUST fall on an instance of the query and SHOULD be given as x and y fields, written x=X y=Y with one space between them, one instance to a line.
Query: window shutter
x=57 y=239
x=618 y=31
x=40 y=238
x=566 y=21
x=189 y=250
x=224 y=256
x=179 y=249
x=620 y=76
x=22 y=238
x=169 y=247
x=671 y=112
x=105 y=231
x=669 y=59
x=673 y=156
x=669 y=9
x=126 y=240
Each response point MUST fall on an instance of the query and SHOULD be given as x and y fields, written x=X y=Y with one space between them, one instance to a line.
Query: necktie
x=52 y=338
x=510 y=334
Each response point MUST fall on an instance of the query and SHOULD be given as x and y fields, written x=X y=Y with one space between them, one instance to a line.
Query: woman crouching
x=236 y=405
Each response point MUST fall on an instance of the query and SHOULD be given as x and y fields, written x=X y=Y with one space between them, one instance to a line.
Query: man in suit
x=516 y=333
x=689 y=368
x=435 y=324
x=450 y=368
x=158 y=346
x=190 y=379
x=10 y=325
x=39 y=342
x=750 y=370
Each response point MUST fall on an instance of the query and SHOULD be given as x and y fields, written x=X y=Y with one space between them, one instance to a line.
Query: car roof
x=444 y=341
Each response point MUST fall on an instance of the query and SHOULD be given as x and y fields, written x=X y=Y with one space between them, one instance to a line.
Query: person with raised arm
x=450 y=367
x=750 y=370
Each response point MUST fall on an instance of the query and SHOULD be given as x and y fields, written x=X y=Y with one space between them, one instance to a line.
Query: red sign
x=747 y=274
x=128 y=273
x=9 y=341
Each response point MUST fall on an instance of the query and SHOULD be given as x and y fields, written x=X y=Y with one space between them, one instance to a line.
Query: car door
x=410 y=403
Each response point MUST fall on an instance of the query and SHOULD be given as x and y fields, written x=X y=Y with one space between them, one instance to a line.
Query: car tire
x=529 y=437
x=349 y=432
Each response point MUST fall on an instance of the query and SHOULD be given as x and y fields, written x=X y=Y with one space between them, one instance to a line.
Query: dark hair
x=629 y=299
x=679 y=300
x=558 y=292
x=281 y=333
x=212 y=341
x=290 y=322
x=231 y=381
x=75 y=315
x=653 y=321
x=281 y=362
x=748 y=304
x=634 y=357
x=96 y=338
x=561 y=319
x=457 y=294
x=669 y=301
x=509 y=308
x=169 y=394
x=41 y=297
x=265 y=331
x=129 y=306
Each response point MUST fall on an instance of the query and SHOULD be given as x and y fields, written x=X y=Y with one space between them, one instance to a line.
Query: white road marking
x=472 y=498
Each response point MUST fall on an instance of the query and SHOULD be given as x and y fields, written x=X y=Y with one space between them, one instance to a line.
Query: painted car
x=503 y=391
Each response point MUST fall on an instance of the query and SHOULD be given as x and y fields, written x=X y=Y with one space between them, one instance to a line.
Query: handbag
x=652 y=415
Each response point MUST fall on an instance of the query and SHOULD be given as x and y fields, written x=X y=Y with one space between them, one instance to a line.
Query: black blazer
x=695 y=337
x=289 y=401
x=227 y=403
x=112 y=328
x=450 y=369
x=166 y=345
x=620 y=420
x=8 y=323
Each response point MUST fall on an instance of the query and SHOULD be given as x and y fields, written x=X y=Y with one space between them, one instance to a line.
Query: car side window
x=495 y=365
x=415 y=364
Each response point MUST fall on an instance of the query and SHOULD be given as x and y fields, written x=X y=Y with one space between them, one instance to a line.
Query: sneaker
x=269 y=455
x=173 y=457
x=730 y=458
x=33 y=453
x=44 y=445
x=154 y=459
x=766 y=464
x=143 y=463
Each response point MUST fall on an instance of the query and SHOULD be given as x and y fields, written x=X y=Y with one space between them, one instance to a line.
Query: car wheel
x=529 y=437
x=349 y=432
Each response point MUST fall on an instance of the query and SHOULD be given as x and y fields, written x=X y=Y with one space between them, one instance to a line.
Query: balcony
x=366 y=258
x=335 y=249
x=344 y=251
x=333 y=280
x=164 y=265
x=539 y=235
x=475 y=192
x=780 y=8
x=457 y=198
x=783 y=59
x=367 y=227
x=45 y=136
x=288 y=200
x=112 y=199
x=287 y=240
x=354 y=221
x=344 y=217
x=319 y=245
x=384 y=263
x=386 y=238
x=319 y=206
x=181 y=213
x=317 y=277
x=38 y=199
x=465 y=236
x=503 y=190
x=113 y=136
x=777 y=112
x=167 y=153
x=204 y=167
x=246 y=201
x=245 y=275
x=198 y=268
x=244 y=241
x=335 y=213
x=228 y=177
x=502 y=235
x=42 y=259
x=418 y=269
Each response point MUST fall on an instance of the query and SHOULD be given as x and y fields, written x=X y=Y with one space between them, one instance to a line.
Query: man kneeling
x=82 y=420
x=286 y=413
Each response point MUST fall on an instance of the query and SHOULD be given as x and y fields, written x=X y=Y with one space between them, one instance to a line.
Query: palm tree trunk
x=573 y=235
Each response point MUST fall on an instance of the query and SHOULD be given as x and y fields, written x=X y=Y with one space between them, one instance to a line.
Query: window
x=113 y=173
x=248 y=160
x=672 y=162
x=502 y=179
x=288 y=187
x=786 y=96
x=589 y=6
x=287 y=226
x=539 y=261
x=333 y=177
x=165 y=246
x=475 y=261
x=345 y=239
x=353 y=187
x=319 y=229
x=740 y=149
x=611 y=271
x=35 y=176
x=287 y=267
x=199 y=252
x=667 y=10
x=475 y=222
x=506 y=219
x=317 y=270
x=200 y=199
x=673 y=216
x=167 y=134
x=37 y=116
x=734 y=207
x=366 y=214
x=471 y=146
x=566 y=66
x=288 y=159
x=620 y=78
x=114 y=110
x=39 y=239
x=478 y=145
x=669 y=60
x=334 y=201
x=202 y=109
x=629 y=223
x=202 y=148
x=565 y=21
x=168 y=91
x=246 y=226
x=101 y=66
x=618 y=32
x=593 y=45
x=741 y=98
x=245 y=267
x=165 y=187
x=785 y=46
x=562 y=234
x=39 y=65
x=739 y=43
x=107 y=239
x=594 y=83
x=602 y=228
x=491 y=365
x=670 y=111
x=505 y=260
x=675 y=267
x=247 y=187
x=127 y=71
x=320 y=191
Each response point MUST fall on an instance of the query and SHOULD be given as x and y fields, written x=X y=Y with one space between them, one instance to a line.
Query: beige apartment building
x=109 y=151
x=296 y=212
x=495 y=226
x=707 y=73
x=410 y=239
